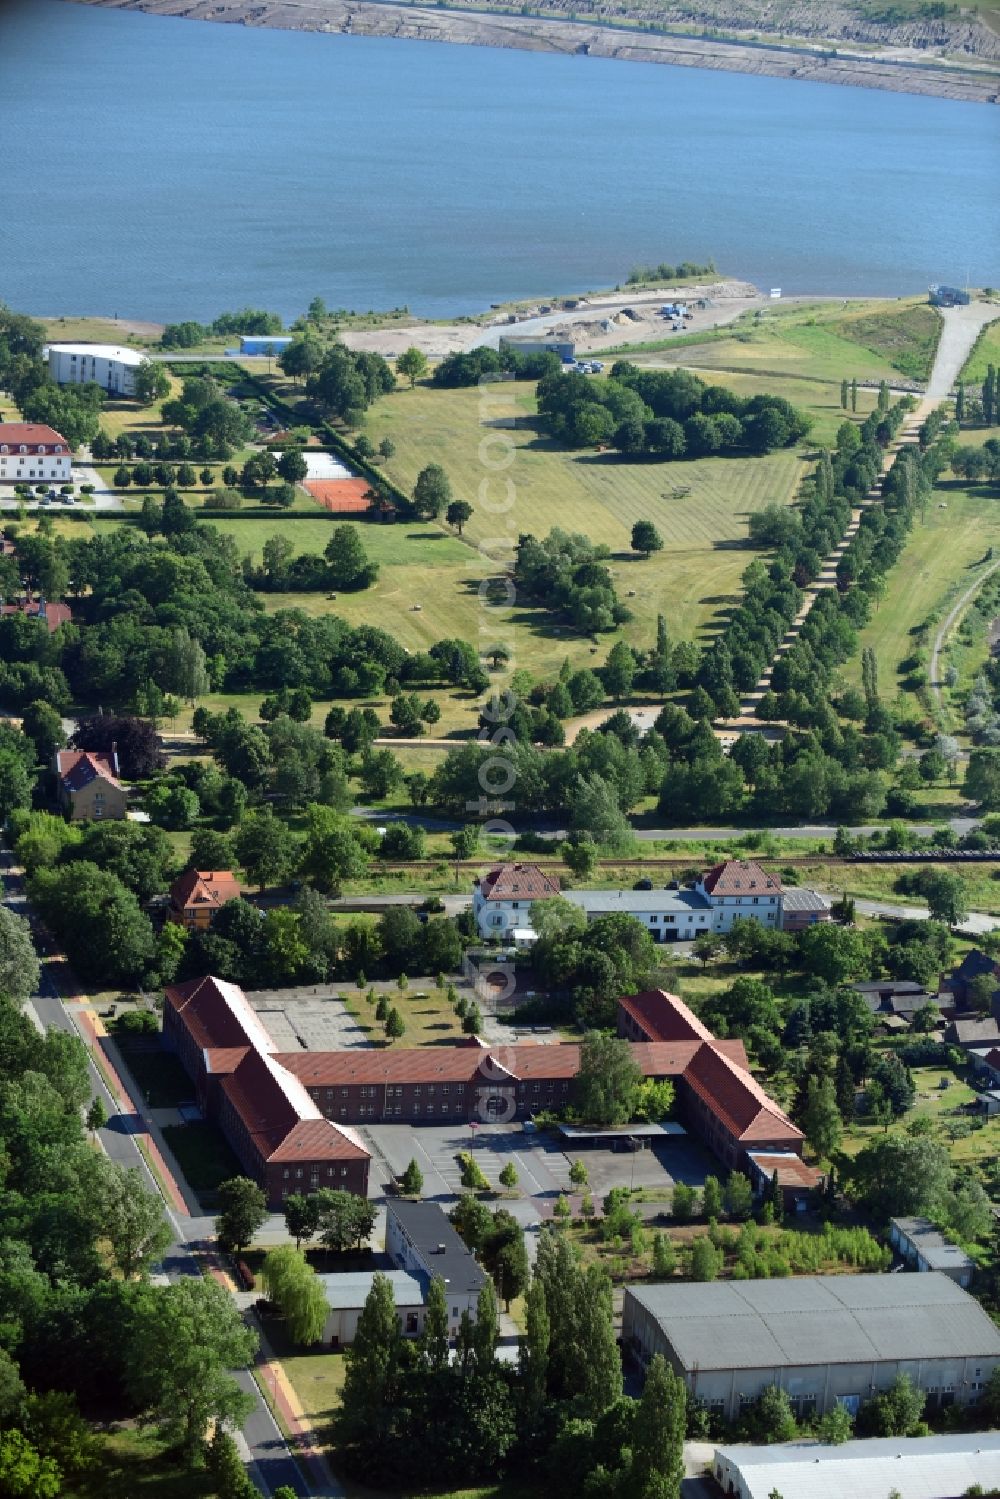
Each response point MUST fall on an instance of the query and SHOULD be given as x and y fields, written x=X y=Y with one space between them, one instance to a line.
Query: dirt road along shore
x=899 y=70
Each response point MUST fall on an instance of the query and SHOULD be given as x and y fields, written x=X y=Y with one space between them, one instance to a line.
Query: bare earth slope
x=955 y=58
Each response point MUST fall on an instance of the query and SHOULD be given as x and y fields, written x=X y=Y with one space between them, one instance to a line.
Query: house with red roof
x=51 y=615
x=741 y=888
x=198 y=895
x=87 y=786
x=31 y=452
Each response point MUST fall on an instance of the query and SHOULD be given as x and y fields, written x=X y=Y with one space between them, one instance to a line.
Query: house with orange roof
x=198 y=895
x=87 y=786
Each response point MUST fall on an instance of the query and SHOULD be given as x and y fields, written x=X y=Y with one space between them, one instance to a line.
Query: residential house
x=51 y=615
x=974 y=965
x=198 y=895
x=982 y=1034
x=924 y=1247
x=502 y=901
x=802 y=907
x=420 y=1240
x=87 y=786
x=31 y=452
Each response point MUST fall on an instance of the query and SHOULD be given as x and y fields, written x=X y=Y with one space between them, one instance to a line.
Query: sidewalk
x=302 y=1442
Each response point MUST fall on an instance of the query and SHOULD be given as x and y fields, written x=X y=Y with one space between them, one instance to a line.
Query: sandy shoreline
x=900 y=70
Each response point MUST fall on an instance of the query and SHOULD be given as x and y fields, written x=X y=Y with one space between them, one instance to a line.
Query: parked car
x=643 y=885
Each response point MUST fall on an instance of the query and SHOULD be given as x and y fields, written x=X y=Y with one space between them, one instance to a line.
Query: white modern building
x=31 y=452
x=107 y=365
x=933 y=1467
x=502 y=902
x=347 y=1292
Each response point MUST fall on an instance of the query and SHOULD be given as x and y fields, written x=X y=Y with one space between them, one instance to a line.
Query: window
x=343 y=1092
x=298 y=1173
x=411 y=1321
x=286 y=1173
x=454 y=1311
x=430 y=1088
x=343 y=1170
x=445 y=1088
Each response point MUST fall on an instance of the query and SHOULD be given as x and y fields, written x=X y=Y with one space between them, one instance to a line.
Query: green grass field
x=134 y=1464
x=986 y=352
x=596 y=494
x=822 y=341
x=973 y=1147
x=938 y=564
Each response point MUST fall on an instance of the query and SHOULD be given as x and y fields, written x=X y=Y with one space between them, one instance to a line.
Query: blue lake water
x=167 y=168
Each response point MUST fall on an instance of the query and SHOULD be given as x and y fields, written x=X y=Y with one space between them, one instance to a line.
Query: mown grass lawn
x=938 y=563
x=203 y=1156
x=700 y=509
x=429 y=1018
x=985 y=353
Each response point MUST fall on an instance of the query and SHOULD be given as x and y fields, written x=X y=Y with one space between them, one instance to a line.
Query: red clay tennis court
x=341 y=496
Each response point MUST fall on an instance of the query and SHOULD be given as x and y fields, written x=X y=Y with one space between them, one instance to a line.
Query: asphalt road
x=264 y=1443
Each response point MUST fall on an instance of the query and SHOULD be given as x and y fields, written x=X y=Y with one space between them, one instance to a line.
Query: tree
x=578 y=1174
x=738 y=1195
x=619 y=670
x=711 y=1197
x=894 y=1412
x=413 y=364
x=579 y=854
x=982 y=778
x=150 y=383
x=292 y=466
x=657 y=1444
x=24 y=1473
x=349 y=566
x=607 y=1082
x=395 y=1025
x=509 y=1177
x=223 y=1461
x=185 y=1339
x=371 y=1371
x=472 y=1020
x=296 y=1288
x=345 y=1221
x=265 y=848
x=836 y=1427
x=705 y=1259
x=302 y=1216
x=901 y=1176
x=664 y=1256
x=770 y=1417
x=432 y=491
x=130 y=1218
x=458 y=512
x=43 y=726
x=97 y=1115
x=945 y=894
x=19 y=969
x=646 y=538
x=682 y=1201
x=244 y=1210
x=411 y=1183
x=821 y=1121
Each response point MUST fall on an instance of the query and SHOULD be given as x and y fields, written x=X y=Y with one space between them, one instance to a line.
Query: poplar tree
x=844 y=391
x=599 y=1369
x=658 y=1433
x=960 y=402
x=854 y=395
x=883 y=396
x=434 y=1343
x=372 y=1370
x=486 y=1330
x=533 y=1353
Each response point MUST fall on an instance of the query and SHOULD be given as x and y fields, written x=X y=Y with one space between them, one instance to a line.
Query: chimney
x=441 y=1249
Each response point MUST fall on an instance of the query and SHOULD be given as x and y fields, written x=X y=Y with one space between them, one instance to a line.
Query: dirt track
x=903 y=70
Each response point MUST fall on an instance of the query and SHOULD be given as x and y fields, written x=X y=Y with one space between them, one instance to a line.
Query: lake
x=162 y=168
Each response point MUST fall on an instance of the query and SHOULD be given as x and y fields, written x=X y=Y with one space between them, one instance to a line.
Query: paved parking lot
x=541 y=1163
x=307 y=1023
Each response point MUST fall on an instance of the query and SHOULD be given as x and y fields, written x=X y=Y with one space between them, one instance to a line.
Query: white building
x=347 y=1292
x=420 y=1240
x=934 y=1467
x=31 y=452
x=502 y=902
x=924 y=1247
x=107 y=365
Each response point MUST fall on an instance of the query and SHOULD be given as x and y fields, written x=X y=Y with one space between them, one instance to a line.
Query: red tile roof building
x=276 y=1130
x=88 y=786
x=288 y=1115
x=31 y=450
x=52 y=615
x=198 y=895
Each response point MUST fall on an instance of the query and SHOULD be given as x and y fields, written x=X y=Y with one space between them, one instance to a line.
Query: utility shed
x=925 y=1247
x=934 y=1467
x=825 y=1339
x=347 y=1292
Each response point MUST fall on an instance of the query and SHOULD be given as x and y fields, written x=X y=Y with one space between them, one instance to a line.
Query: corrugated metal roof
x=934 y=1467
x=350 y=1288
x=819 y=1319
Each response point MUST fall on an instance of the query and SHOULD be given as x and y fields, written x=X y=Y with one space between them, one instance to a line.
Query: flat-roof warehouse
x=823 y=1338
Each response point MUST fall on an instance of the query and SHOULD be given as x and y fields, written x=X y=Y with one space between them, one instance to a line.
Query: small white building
x=31 y=452
x=107 y=365
x=346 y=1294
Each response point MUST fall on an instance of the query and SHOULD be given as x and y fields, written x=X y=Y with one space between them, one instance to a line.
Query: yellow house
x=88 y=786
